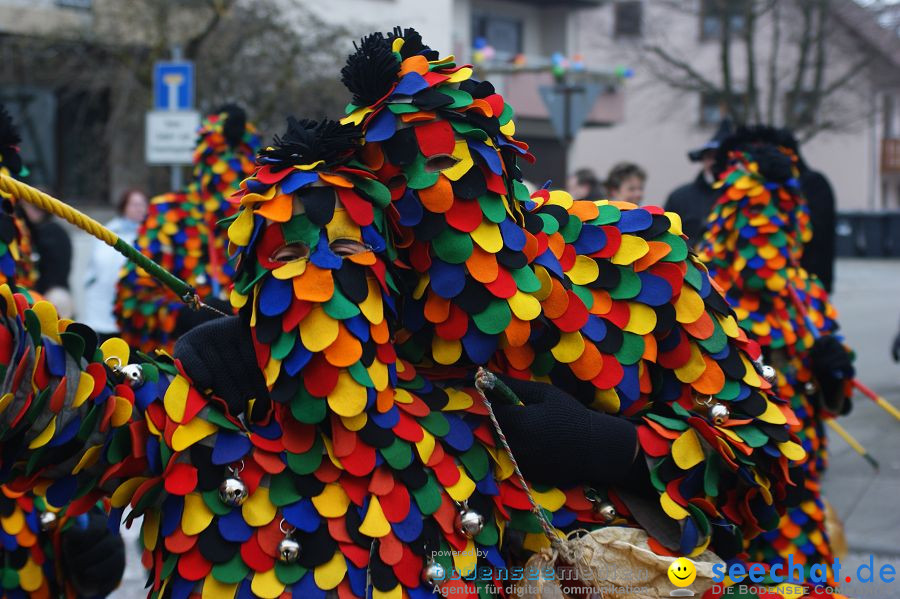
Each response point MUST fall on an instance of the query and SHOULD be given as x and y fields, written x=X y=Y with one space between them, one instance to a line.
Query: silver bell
x=769 y=374
x=719 y=413
x=606 y=510
x=233 y=491
x=48 y=521
x=810 y=388
x=469 y=522
x=433 y=573
x=133 y=373
x=288 y=550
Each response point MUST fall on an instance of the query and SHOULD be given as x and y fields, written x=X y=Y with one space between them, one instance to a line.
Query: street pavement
x=867 y=295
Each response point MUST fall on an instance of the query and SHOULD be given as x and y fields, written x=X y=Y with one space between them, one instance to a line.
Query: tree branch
x=751 y=101
x=819 y=65
x=220 y=8
x=725 y=56
x=803 y=44
x=773 y=63
x=695 y=80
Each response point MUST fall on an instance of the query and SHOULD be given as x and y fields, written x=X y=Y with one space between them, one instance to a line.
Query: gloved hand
x=219 y=356
x=92 y=556
x=188 y=318
x=832 y=365
x=558 y=441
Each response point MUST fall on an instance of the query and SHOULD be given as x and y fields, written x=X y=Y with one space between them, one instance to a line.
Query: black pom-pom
x=762 y=143
x=412 y=43
x=235 y=123
x=371 y=70
x=774 y=164
x=307 y=141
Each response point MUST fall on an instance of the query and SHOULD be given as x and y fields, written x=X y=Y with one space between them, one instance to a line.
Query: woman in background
x=105 y=263
x=625 y=183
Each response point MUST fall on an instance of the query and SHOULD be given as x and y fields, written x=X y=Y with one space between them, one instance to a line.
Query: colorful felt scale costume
x=752 y=247
x=180 y=233
x=600 y=298
x=15 y=240
x=353 y=461
x=29 y=525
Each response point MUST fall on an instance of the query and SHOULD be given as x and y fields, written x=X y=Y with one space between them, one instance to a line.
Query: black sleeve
x=55 y=249
x=818 y=255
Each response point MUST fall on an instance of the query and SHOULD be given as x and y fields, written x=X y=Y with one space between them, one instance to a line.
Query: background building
x=86 y=63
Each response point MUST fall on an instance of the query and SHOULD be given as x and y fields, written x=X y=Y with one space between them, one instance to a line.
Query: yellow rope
x=24 y=192
x=52 y=205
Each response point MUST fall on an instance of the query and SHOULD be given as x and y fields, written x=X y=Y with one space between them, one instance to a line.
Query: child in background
x=625 y=183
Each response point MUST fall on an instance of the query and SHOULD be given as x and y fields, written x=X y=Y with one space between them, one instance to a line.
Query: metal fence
x=868 y=234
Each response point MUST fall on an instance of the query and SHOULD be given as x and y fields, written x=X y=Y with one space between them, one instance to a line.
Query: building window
x=713 y=13
x=82 y=4
x=629 y=18
x=710 y=109
x=888 y=116
x=503 y=34
x=713 y=108
x=799 y=108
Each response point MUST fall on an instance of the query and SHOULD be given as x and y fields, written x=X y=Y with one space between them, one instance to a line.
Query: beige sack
x=616 y=562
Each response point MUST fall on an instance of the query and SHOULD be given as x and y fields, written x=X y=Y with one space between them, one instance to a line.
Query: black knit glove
x=92 y=556
x=188 y=318
x=558 y=441
x=832 y=364
x=219 y=357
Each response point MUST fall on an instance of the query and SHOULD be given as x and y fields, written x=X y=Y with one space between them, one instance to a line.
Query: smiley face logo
x=682 y=572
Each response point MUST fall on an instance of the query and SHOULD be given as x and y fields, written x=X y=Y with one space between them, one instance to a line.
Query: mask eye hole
x=348 y=247
x=440 y=162
x=291 y=252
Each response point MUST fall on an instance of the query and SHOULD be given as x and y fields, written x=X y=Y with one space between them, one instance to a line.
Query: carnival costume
x=181 y=234
x=315 y=443
x=34 y=533
x=752 y=247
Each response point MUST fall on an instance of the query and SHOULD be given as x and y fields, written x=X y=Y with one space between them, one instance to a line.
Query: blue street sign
x=173 y=85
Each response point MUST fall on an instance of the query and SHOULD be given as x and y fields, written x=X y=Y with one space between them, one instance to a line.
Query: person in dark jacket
x=52 y=254
x=693 y=201
x=818 y=256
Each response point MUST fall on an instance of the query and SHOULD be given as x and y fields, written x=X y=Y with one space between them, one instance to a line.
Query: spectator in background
x=818 y=255
x=52 y=255
x=105 y=263
x=625 y=183
x=694 y=201
x=584 y=185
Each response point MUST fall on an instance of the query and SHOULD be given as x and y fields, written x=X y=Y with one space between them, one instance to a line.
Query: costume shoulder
x=81 y=420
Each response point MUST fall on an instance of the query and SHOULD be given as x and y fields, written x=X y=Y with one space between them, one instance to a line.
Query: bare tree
x=271 y=60
x=811 y=67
